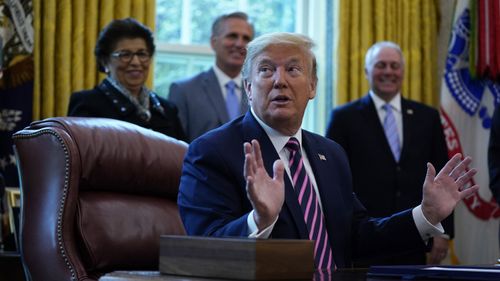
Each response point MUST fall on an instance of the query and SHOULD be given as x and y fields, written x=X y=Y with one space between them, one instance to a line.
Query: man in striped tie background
x=262 y=176
x=388 y=140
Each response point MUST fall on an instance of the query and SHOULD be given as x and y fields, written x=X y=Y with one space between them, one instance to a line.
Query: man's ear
x=212 y=41
x=312 y=89
x=248 y=89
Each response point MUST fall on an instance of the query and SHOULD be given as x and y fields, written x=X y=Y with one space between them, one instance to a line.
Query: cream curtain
x=65 y=36
x=413 y=24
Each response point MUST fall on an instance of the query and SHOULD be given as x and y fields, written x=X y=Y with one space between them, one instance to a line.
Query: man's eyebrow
x=265 y=61
x=293 y=60
x=270 y=61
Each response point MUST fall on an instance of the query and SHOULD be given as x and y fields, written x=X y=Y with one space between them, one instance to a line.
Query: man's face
x=385 y=73
x=280 y=86
x=229 y=45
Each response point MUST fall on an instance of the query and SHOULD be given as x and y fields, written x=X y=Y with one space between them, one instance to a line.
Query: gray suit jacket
x=200 y=103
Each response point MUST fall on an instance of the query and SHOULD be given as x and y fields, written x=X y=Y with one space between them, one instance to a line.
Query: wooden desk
x=345 y=275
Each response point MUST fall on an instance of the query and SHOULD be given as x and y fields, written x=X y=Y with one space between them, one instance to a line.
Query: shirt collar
x=395 y=102
x=224 y=78
x=278 y=139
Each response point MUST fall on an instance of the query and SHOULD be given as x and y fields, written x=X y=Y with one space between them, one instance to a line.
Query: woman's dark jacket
x=105 y=101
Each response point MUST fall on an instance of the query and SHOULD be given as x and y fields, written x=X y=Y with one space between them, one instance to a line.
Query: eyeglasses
x=127 y=56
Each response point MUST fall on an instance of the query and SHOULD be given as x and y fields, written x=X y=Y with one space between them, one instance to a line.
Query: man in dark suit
x=204 y=101
x=384 y=180
x=226 y=188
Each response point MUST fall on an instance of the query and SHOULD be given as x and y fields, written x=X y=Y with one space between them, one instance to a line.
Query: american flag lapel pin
x=321 y=157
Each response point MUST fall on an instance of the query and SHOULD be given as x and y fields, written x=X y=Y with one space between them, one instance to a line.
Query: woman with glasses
x=124 y=52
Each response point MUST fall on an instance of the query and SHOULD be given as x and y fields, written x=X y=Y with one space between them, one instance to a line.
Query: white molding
x=184 y=49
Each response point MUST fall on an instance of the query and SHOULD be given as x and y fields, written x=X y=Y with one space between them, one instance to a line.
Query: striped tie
x=391 y=131
x=313 y=216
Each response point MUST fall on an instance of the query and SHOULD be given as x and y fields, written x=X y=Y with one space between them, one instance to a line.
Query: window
x=184 y=26
x=183 y=30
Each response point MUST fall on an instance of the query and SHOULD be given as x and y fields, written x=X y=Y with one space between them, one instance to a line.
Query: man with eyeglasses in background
x=216 y=96
x=124 y=52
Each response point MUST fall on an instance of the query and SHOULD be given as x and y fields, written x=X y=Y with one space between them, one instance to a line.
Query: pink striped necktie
x=311 y=210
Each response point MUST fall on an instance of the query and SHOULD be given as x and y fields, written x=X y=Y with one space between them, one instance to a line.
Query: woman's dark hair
x=116 y=30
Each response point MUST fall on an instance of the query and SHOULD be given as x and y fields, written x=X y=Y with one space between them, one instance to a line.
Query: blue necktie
x=232 y=102
x=391 y=131
x=308 y=201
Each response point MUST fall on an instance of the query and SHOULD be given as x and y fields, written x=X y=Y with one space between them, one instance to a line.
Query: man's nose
x=279 y=78
x=241 y=42
x=389 y=69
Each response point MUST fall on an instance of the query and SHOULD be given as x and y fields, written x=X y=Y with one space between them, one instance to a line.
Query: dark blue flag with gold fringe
x=16 y=83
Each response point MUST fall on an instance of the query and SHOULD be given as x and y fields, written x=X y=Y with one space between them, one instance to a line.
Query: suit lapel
x=244 y=100
x=407 y=112
x=252 y=130
x=214 y=94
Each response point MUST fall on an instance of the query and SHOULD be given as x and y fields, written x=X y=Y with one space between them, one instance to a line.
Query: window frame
x=311 y=21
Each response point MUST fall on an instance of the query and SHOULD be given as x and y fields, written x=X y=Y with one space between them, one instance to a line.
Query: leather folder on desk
x=237 y=258
x=439 y=272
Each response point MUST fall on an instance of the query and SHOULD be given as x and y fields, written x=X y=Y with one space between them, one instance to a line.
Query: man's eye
x=380 y=65
x=395 y=65
x=265 y=69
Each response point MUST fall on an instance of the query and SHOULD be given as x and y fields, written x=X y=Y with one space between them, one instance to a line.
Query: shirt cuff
x=254 y=230
x=425 y=228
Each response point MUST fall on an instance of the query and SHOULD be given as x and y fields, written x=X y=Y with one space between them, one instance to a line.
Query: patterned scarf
x=141 y=102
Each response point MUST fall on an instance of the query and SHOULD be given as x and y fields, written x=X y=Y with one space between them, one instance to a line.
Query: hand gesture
x=441 y=193
x=266 y=194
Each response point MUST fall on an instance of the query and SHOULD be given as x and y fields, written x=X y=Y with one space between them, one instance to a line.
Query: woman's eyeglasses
x=127 y=56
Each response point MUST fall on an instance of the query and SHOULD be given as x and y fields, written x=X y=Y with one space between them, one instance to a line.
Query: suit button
x=398 y=194
x=123 y=109
x=398 y=168
x=115 y=101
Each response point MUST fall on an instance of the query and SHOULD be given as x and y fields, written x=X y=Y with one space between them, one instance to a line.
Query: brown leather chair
x=96 y=194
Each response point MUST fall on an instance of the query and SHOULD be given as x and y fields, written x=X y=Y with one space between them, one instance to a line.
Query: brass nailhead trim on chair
x=64 y=195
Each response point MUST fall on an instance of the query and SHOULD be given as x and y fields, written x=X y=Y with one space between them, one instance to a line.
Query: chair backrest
x=96 y=194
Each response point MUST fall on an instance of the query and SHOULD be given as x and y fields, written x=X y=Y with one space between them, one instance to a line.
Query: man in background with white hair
x=388 y=140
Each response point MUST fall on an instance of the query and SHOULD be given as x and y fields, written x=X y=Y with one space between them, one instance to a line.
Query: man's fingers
x=469 y=191
x=278 y=170
x=431 y=173
x=466 y=177
x=251 y=162
x=248 y=169
x=257 y=153
x=460 y=168
x=451 y=164
x=247 y=147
